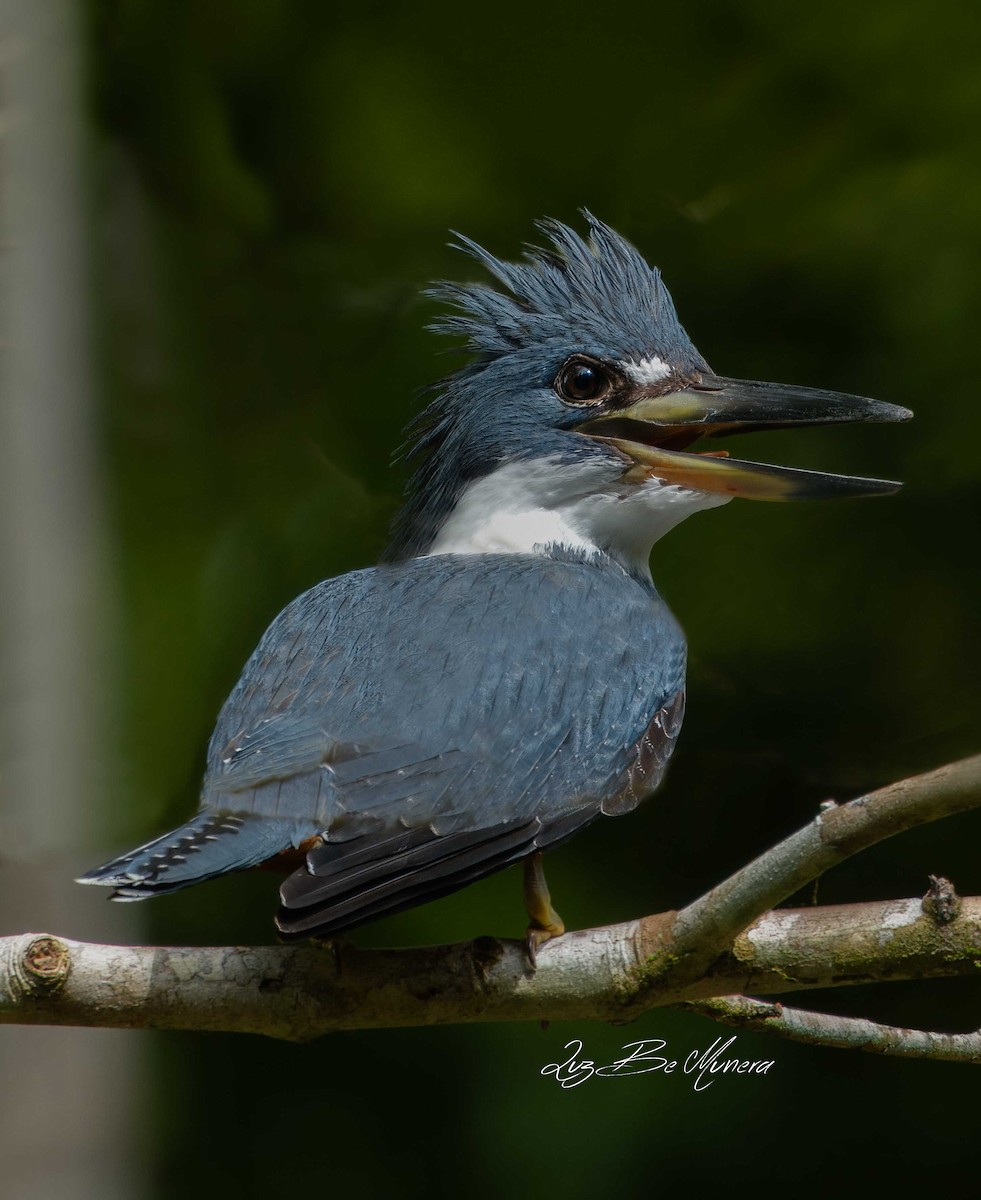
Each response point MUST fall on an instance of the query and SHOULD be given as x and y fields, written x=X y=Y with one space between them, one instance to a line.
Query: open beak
x=655 y=430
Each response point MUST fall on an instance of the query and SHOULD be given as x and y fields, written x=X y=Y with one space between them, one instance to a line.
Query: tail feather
x=210 y=844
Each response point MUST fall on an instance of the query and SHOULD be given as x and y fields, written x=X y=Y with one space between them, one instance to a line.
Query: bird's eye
x=583 y=381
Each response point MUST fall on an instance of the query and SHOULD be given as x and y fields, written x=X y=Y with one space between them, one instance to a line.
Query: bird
x=508 y=673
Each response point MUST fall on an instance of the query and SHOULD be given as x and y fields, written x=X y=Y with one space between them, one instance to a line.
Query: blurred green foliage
x=273 y=183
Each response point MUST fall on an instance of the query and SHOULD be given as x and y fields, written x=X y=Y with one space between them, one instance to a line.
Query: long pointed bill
x=654 y=430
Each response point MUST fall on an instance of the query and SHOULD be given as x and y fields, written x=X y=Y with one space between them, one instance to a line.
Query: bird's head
x=574 y=422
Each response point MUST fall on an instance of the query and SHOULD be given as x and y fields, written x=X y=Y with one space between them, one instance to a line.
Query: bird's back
x=432 y=721
x=449 y=691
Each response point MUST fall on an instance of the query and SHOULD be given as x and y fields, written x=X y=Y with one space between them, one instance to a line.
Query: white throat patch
x=525 y=507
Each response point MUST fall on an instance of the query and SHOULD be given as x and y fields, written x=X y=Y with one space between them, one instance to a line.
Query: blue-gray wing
x=436 y=719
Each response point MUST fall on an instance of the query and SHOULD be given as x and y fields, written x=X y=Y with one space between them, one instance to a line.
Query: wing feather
x=444 y=716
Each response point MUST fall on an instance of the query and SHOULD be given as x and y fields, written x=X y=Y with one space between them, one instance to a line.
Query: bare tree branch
x=719 y=945
x=299 y=993
x=687 y=946
x=844 y=1033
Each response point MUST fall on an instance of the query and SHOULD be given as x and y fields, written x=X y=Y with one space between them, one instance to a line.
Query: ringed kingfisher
x=508 y=674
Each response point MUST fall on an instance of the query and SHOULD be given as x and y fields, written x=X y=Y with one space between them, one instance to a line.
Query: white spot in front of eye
x=648 y=370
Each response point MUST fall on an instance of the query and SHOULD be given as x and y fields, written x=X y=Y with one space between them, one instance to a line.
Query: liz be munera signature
x=651 y=1055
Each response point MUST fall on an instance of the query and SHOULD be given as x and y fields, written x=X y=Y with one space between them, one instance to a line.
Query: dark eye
x=583 y=381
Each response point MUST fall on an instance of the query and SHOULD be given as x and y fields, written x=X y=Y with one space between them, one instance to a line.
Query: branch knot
x=942 y=902
x=37 y=965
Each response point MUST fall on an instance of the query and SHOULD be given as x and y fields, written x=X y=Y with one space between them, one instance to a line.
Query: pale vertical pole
x=68 y=1098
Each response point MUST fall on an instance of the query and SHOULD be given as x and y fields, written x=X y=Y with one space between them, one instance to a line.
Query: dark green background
x=272 y=185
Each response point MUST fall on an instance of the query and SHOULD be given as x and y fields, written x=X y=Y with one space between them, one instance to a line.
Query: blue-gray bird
x=509 y=674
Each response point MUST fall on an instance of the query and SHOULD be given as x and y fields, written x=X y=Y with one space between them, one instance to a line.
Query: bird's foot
x=535 y=936
x=545 y=923
x=333 y=945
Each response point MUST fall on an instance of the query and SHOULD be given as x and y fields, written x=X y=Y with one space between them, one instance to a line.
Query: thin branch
x=719 y=945
x=843 y=1033
x=687 y=946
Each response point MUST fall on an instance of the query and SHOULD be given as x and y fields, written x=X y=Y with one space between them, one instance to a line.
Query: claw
x=545 y=923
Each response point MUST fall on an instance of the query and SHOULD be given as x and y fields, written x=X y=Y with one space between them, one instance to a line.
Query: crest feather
x=598 y=288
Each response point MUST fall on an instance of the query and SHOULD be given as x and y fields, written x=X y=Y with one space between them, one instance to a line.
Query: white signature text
x=650 y=1055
